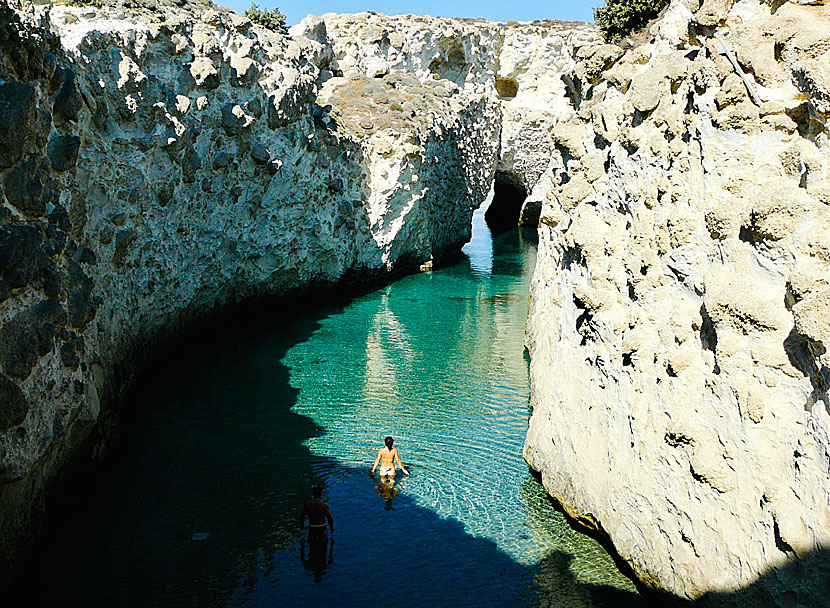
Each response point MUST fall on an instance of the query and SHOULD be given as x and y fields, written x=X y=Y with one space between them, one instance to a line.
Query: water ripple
x=201 y=508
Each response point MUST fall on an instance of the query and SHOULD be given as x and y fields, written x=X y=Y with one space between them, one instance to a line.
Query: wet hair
x=389 y=441
x=317 y=492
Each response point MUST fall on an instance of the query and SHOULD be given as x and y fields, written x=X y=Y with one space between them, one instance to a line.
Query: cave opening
x=506 y=207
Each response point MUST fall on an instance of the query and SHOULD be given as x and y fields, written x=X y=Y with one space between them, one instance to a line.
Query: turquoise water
x=200 y=505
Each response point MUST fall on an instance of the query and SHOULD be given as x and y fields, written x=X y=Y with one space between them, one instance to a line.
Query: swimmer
x=318 y=513
x=386 y=458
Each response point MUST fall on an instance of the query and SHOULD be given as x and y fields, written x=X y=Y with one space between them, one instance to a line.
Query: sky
x=494 y=10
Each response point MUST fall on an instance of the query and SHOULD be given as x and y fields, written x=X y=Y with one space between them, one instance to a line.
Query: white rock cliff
x=165 y=166
x=682 y=282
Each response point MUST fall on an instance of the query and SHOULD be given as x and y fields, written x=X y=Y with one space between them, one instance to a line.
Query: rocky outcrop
x=682 y=283
x=521 y=65
x=156 y=167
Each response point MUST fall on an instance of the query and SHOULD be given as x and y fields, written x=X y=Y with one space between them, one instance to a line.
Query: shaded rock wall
x=155 y=167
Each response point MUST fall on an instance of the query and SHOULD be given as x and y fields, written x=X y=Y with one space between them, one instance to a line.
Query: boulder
x=28 y=336
x=20 y=254
x=68 y=101
x=23 y=187
x=260 y=153
x=233 y=119
x=204 y=73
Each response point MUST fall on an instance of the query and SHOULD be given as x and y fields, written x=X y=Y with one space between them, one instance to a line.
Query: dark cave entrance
x=506 y=208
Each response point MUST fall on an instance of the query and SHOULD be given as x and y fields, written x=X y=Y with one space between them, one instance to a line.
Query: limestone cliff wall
x=157 y=165
x=519 y=64
x=160 y=166
x=682 y=283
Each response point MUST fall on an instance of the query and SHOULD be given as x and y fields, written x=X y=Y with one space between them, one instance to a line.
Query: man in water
x=318 y=513
x=387 y=456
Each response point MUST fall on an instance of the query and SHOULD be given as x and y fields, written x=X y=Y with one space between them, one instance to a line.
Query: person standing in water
x=318 y=513
x=387 y=456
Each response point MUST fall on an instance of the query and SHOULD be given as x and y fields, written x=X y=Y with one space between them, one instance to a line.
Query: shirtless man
x=387 y=456
x=318 y=513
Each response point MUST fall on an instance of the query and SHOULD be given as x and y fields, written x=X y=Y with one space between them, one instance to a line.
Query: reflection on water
x=388 y=489
x=201 y=506
x=315 y=559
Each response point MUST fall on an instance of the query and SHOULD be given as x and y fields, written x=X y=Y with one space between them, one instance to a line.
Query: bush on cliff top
x=273 y=20
x=92 y=3
x=619 y=18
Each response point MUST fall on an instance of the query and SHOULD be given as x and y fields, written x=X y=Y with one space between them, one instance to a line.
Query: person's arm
x=400 y=464
x=303 y=515
x=330 y=519
x=377 y=460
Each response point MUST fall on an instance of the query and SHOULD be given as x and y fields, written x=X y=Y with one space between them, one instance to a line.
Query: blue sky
x=495 y=10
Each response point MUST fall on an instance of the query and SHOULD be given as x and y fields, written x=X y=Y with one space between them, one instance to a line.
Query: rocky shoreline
x=169 y=161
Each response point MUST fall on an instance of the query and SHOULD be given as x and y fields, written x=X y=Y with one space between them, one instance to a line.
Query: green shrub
x=272 y=20
x=619 y=18
x=92 y=3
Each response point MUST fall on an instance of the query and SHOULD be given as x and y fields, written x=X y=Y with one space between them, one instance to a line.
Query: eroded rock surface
x=682 y=283
x=519 y=64
x=166 y=165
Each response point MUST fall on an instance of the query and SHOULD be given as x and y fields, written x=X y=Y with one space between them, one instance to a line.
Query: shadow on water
x=198 y=505
x=199 y=480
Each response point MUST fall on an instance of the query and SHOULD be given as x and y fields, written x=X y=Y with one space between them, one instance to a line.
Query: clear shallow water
x=200 y=505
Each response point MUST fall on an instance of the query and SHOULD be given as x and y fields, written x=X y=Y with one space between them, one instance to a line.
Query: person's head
x=389 y=441
x=317 y=492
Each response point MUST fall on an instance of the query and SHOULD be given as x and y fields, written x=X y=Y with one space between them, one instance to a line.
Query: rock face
x=520 y=64
x=156 y=167
x=682 y=282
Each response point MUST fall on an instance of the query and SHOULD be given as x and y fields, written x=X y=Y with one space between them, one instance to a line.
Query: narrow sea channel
x=199 y=506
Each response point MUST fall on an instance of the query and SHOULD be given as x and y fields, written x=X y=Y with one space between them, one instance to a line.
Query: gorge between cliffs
x=161 y=164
